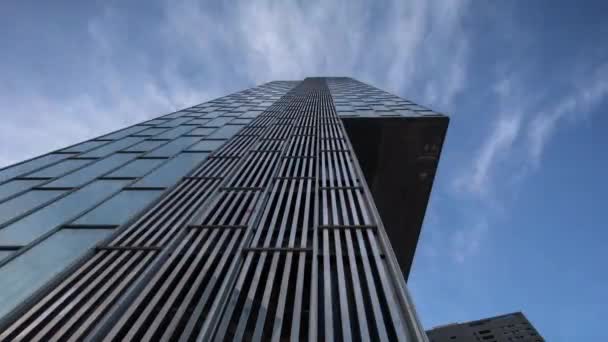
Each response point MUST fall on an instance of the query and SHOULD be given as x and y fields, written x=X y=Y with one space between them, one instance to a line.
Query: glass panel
x=32 y=269
x=202 y=131
x=174 y=115
x=145 y=146
x=112 y=147
x=60 y=168
x=176 y=122
x=218 y=122
x=207 y=145
x=85 y=146
x=198 y=122
x=18 y=206
x=226 y=132
x=92 y=171
x=251 y=114
x=154 y=122
x=173 y=148
x=151 y=131
x=169 y=173
x=123 y=133
x=16 y=186
x=31 y=165
x=137 y=168
x=59 y=212
x=175 y=132
x=241 y=121
x=120 y=208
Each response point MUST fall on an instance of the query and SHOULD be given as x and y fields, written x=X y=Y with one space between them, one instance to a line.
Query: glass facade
x=243 y=216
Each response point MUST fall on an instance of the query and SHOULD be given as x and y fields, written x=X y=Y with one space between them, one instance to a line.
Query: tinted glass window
x=85 y=146
x=145 y=146
x=226 y=132
x=16 y=170
x=207 y=145
x=31 y=270
x=175 y=132
x=92 y=171
x=154 y=122
x=151 y=131
x=171 y=172
x=60 y=168
x=198 y=122
x=202 y=131
x=176 y=122
x=16 y=186
x=173 y=147
x=61 y=211
x=120 y=208
x=124 y=132
x=251 y=114
x=112 y=147
x=21 y=204
x=218 y=122
x=174 y=115
x=137 y=168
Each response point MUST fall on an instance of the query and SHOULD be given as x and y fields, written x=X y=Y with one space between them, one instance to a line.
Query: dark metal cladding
x=274 y=237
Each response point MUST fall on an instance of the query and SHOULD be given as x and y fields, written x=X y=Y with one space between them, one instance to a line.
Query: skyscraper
x=289 y=211
x=504 y=328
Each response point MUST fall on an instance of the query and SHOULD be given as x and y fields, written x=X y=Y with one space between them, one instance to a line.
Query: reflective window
x=123 y=133
x=198 y=122
x=226 y=132
x=16 y=186
x=251 y=114
x=31 y=165
x=175 y=132
x=59 y=212
x=241 y=121
x=92 y=171
x=202 y=131
x=174 y=115
x=85 y=146
x=137 y=168
x=176 y=122
x=151 y=131
x=120 y=208
x=218 y=122
x=112 y=147
x=171 y=172
x=173 y=147
x=60 y=168
x=31 y=270
x=207 y=145
x=21 y=204
x=145 y=146
x=154 y=122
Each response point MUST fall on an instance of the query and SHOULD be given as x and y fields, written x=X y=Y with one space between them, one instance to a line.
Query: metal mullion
x=257 y=335
x=183 y=281
x=253 y=289
x=143 y=295
x=387 y=289
x=187 y=331
x=328 y=307
x=44 y=312
x=180 y=200
x=342 y=295
x=108 y=300
x=85 y=289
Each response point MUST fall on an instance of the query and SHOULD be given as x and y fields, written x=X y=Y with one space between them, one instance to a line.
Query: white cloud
x=590 y=91
x=194 y=52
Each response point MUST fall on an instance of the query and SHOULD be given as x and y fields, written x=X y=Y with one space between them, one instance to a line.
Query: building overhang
x=399 y=158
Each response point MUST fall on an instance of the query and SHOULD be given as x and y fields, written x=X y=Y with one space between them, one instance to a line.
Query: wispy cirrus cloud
x=133 y=65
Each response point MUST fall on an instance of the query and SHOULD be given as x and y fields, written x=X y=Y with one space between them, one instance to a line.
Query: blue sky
x=516 y=220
